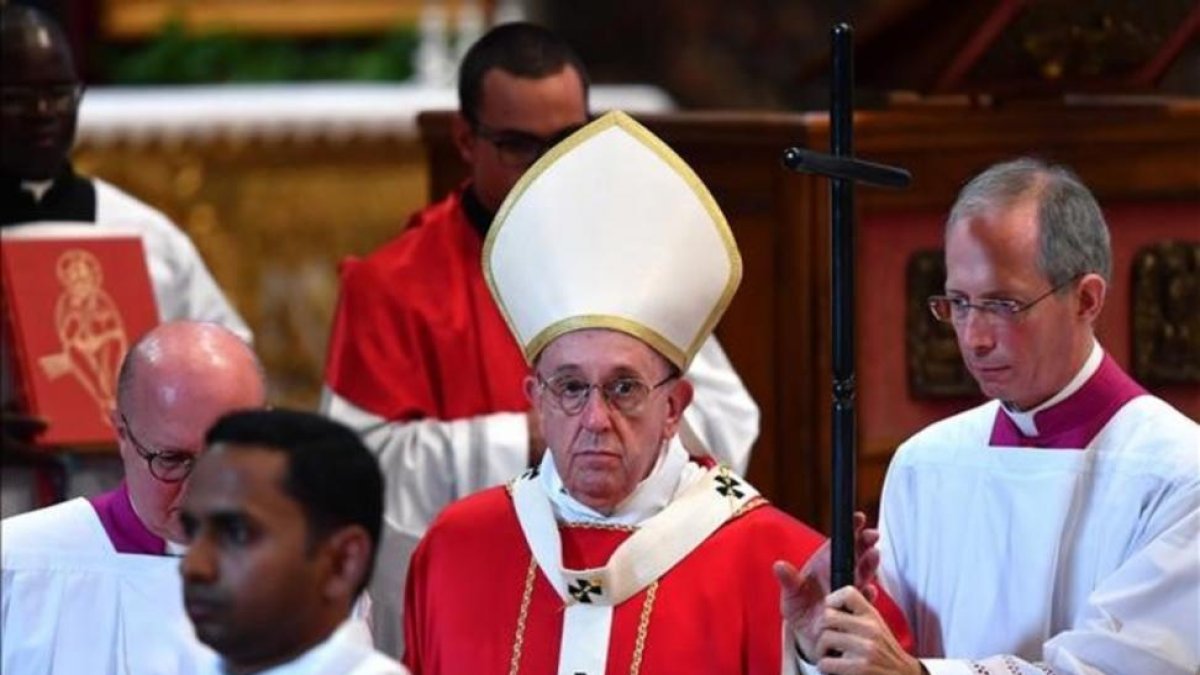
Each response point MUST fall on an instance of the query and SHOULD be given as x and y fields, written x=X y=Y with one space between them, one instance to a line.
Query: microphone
x=845 y=168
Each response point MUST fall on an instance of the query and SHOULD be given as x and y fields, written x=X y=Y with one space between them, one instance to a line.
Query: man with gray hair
x=1053 y=529
x=92 y=585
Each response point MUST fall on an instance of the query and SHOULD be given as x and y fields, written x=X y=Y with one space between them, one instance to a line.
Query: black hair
x=330 y=473
x=522 y=49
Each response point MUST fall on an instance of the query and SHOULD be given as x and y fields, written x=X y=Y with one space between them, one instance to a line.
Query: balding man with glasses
x=92 y=585
x=1055 y=528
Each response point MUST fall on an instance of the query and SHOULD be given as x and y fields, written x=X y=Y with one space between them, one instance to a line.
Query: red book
x=72 y=306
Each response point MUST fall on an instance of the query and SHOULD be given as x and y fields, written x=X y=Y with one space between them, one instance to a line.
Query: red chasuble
x=417 y=334
x=716 y=611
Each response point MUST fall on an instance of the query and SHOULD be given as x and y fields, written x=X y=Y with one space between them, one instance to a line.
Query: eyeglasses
x=625 y=394
x=166 y=466
x=27 y=100
x=519 y=149
x=954 y=308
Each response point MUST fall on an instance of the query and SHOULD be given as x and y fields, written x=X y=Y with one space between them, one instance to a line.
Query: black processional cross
x=844 y=171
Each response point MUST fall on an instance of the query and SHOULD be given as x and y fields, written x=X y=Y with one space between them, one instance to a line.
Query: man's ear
x=1091 y=293
x=118 y=425
x=532 y=390
x=350 y=554
x=678 y=400
x=464 y=138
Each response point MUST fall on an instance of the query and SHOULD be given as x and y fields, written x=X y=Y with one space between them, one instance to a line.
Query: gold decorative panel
x=272 y=219
x=142 y=18
x=1166 y=313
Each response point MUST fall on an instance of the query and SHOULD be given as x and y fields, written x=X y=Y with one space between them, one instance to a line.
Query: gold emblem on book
x=90 y=330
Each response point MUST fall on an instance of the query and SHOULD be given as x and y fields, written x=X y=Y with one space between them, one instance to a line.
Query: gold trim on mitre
x=617 y=118
x=618 y=323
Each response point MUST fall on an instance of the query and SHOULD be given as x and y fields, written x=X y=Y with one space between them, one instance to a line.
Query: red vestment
x=417 y=334
x=716 y=611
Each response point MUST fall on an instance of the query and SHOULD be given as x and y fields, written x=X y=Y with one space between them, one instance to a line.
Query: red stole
x=417 y=334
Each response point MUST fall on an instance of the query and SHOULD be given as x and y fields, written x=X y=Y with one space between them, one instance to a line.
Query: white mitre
x=611 y=229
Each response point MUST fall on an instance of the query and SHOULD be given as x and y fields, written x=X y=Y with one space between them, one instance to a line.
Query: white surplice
x=72 y=605
x=1070 y=560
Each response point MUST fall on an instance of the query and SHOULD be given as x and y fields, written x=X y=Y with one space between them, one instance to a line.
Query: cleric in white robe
x=91 y=586
x=1055 y=529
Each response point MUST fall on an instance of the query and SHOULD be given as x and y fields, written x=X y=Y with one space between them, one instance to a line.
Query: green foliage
x=177 y=57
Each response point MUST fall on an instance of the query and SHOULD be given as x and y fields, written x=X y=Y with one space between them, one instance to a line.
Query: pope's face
x=600 y=452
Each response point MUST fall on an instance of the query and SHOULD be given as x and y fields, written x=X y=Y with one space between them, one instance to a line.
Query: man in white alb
x=92 y=585
x=1055 y=529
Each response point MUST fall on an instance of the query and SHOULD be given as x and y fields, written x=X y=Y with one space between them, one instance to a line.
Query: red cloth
x=717 y=611
x=417 y=334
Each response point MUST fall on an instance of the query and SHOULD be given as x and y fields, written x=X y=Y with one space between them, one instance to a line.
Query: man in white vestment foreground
x=92 y=585
x=618 y=552
x=283 y=519
x=1055 y=529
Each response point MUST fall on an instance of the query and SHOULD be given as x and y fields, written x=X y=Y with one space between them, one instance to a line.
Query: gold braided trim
x=639 y=647
x=750 y=506
x=514 y=664
x=599 y=526
x=643 y=627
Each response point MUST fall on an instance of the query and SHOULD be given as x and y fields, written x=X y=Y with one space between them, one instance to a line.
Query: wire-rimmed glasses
x=519 y=148
x=28 y=100
x=624 y=394
x=955 y=308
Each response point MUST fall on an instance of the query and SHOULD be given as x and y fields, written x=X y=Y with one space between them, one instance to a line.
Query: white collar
x=37 y=188
x=672 y=472
x=338 y=653
x=699 y=506
x=1024 y=419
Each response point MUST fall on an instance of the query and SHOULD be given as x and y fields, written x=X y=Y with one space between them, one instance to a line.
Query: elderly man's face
x=168 y=411
x=254 y=586
x=600 y=452
x=1026 y=359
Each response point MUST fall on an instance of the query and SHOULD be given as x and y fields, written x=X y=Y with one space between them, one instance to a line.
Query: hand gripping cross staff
x=844 y=170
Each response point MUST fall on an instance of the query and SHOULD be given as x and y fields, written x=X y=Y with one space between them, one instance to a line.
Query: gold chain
x=599 y=526
x=643 y=628
x=749 y=506
x=514 y=664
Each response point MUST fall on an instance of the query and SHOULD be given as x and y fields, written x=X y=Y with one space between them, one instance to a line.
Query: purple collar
x=126 y=531
x=1073 y=422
